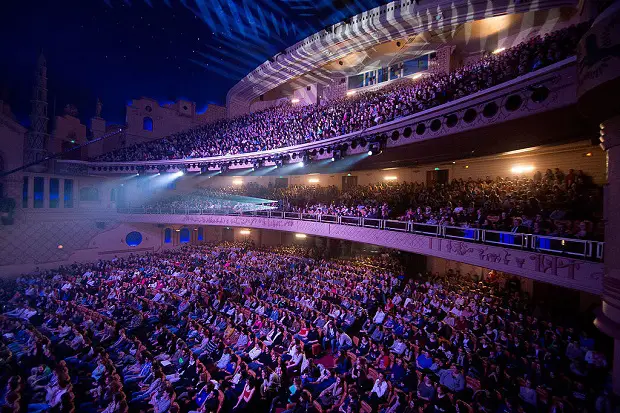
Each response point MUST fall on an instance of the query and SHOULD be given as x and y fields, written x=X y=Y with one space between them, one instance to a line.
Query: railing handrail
x=592 y=249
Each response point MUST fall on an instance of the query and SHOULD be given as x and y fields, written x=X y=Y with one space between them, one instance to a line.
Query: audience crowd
x=288 y=125
x=230 y=328
x=554 y=203
x=208 y=200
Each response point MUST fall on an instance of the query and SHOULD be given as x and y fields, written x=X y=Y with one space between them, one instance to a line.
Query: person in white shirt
x=379 y=317
x=378 y=393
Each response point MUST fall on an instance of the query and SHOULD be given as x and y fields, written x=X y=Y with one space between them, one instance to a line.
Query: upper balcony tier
x=399 y=20
x=536 y=108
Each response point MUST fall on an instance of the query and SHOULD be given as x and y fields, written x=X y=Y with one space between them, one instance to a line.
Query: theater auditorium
x=351 y=206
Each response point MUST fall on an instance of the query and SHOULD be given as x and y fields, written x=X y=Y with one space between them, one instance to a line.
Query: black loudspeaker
x=100 y=225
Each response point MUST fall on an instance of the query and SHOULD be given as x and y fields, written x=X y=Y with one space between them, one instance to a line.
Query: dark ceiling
x=166 y=49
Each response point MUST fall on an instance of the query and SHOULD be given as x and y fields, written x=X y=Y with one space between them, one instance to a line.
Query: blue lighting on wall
x=133 y=239
x=184 y=236
x=167 y=236
x=147 y=124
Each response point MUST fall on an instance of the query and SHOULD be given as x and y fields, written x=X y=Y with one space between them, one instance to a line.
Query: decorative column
x=598 y=69
x=46 y=192
x=30 y=192
x=608 y=321
x=35 y=148
x=61 y=193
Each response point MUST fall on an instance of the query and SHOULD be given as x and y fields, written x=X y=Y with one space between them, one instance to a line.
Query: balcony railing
x=578 y=248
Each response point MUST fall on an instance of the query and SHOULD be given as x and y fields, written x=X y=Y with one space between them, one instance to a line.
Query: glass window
x=412 y=66
x=382 y=74
x=54 y=195
x=25 y=193
x=133 y=239
x=147 y=124
x=184 y=236
x=355 y=81
x=39 y=184
x=68 y=198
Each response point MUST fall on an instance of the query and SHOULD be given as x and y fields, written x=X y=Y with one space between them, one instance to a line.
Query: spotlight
x=333 y=159
x=374 y=149
x=300 y=163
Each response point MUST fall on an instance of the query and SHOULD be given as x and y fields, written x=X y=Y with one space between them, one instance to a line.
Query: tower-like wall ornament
x=37 y=137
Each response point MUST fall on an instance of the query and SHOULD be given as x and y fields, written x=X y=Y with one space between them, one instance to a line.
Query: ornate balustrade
x=586 y=249
x=568 y=262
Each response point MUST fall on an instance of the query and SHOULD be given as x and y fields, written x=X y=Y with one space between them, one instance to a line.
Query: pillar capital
x=610 y=133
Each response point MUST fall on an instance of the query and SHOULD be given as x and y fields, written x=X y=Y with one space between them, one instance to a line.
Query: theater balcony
x=565 y=262
x=534 y=109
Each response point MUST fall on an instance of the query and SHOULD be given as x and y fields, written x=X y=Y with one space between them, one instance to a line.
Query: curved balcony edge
x=559 y=79
x=565 y=271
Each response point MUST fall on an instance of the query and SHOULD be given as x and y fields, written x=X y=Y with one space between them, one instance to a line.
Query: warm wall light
x=245 y=232
x=589 y=154
x=350 y=92
x=237 y=182
x=177 y=230
x=313 y=181
x=60 y=246
x=520 y=169
x=294 y=100
x=466 y=166
x=497 y=51
x=390 y=178
x=301 y=236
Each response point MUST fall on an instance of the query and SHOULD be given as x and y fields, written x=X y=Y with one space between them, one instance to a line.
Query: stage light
x=313 y=180
x=333 y=159
x=300 y=164
x=390 y=178
x=351 y=92
x=520 y=169
x=417 y=76
x=295 y=100
x=499 y=50
x=374 y=149
x=245 y=232
x=60 y=246
x=237 y=182
x=301 y=236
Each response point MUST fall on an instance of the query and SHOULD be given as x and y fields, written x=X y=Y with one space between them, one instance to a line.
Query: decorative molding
x=566 y=272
